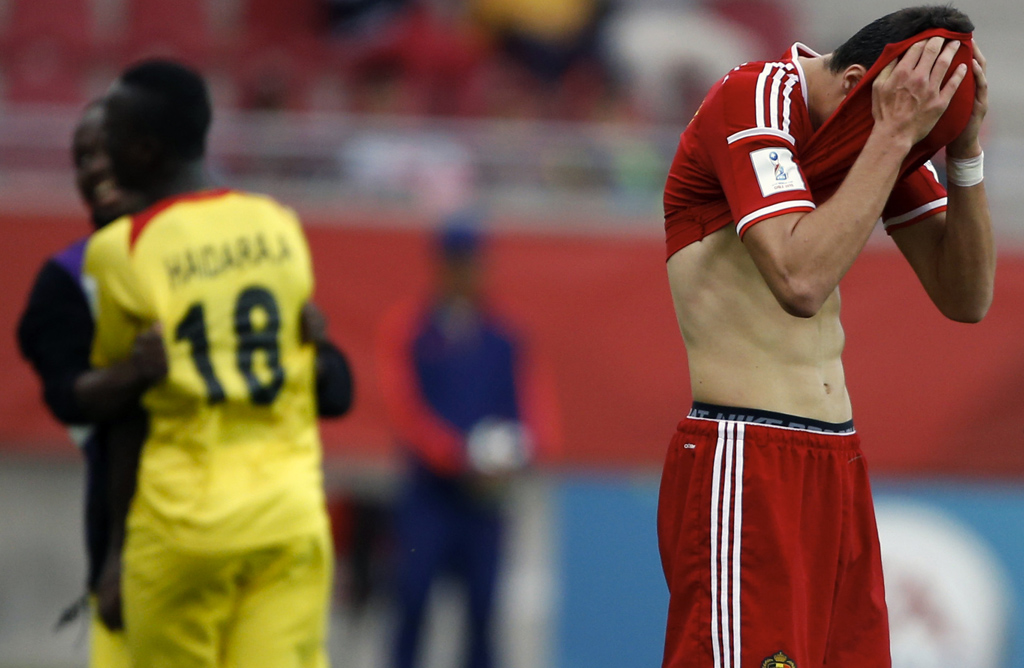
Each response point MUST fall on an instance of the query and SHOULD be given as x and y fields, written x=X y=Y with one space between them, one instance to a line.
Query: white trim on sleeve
x=910 y=215
x=772 y=208
x=756 y=132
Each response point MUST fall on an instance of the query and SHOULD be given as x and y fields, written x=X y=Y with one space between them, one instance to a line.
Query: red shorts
x=770 y=550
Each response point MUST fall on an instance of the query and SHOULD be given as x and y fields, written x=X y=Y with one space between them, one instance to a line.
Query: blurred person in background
x=474 y=409
x=766 y=525
x=227 y=556
x=55 y=335
x=550 y=57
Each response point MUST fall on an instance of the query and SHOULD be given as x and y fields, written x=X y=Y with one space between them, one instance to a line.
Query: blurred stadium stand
x=557 y=119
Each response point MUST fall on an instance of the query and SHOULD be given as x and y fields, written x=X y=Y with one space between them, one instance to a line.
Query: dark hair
x=867 y=45
x=174 y=105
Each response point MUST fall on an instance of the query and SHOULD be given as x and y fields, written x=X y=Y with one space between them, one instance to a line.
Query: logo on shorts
x=780 y=660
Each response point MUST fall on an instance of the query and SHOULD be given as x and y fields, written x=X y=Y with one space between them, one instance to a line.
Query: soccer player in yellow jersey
x=227 y=560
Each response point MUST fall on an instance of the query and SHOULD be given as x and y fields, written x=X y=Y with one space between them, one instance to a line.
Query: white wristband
x=965 y=173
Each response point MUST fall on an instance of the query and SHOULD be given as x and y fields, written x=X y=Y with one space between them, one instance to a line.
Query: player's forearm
x=124 y=441
x=124 y=446
x=965 y=257
x=819 y=247
x=105 y=394
x=334 y=384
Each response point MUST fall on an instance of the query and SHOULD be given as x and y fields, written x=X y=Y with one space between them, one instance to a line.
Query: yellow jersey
x=232 y=460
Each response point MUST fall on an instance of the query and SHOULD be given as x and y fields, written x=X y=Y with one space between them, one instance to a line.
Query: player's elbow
x=969 y=312
x=801 y=300
x=800 y=309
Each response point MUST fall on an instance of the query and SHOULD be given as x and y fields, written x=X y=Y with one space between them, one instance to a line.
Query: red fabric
x=713 y=182
x=904 y=206
x=808 y=580
x=538 y=403
x=832 y=150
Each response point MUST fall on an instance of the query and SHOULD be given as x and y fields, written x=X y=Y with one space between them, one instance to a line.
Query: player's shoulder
x=260 y=200
x=109 y=241
x=264 y=208
x=214 y=201
x=756 y=82
x=756 y=95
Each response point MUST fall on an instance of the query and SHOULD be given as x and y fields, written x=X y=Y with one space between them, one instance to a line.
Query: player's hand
x=967 y=145
x=908 y=97
x=313 y=324
x=108 y=592
x=149 y=356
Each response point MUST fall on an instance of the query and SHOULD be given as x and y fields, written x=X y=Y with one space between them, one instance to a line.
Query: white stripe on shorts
x=726 y=534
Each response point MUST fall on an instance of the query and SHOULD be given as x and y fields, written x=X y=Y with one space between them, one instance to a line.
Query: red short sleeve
x=750 y=138
x=917 y=196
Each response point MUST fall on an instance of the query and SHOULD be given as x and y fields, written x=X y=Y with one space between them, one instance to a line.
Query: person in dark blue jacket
x=472 y=408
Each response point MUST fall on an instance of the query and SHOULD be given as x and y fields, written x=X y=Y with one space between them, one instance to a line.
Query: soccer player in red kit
x=765 y=520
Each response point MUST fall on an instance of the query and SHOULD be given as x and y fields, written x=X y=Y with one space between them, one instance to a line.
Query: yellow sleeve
x=119 y=309
x=302 y=244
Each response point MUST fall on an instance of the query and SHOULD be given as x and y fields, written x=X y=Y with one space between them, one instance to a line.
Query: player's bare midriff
x=743 y=349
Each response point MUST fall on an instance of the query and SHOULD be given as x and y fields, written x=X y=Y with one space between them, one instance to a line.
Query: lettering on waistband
x=704 y=411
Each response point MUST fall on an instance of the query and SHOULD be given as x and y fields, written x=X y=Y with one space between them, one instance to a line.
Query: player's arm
x=106 y=393
x=54 y=334
x=953 y=253
x=124 y=438
x=334 y=383
x=802 y=256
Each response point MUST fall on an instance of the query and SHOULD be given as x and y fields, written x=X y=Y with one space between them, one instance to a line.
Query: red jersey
x=751 y=153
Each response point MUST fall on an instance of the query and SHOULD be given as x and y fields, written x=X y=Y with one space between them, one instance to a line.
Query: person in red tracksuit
x=472 y=407
x=765 y=519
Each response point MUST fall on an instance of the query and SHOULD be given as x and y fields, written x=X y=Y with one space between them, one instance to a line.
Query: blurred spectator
x=670 y=56
x=771 y=20
x=473 y=413
x=547 y=36
x=413 y=56
x=349 y=18
x=558 y=44
x=433 y=169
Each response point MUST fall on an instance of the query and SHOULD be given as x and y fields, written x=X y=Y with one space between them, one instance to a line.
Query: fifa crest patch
x=776 y=171
x=780 y=660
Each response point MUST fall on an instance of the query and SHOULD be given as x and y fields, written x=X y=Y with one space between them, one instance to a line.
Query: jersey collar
x=143 y=218
x=799 y=49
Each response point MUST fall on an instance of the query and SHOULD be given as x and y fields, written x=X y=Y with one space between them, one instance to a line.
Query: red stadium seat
x=46 y=71
x=282 y=53
x=273 y=77
x=277 y=22
x=69 y=21
x=46 y=49
x=167 y=28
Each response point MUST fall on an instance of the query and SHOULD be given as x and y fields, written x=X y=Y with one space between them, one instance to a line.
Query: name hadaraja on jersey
x=212 y=260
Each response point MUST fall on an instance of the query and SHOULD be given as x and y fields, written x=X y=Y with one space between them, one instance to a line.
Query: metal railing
x=550 y=170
